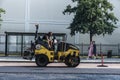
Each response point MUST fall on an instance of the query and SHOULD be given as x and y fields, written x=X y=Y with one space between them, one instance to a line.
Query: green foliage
x=92 y=16
x=2 y=11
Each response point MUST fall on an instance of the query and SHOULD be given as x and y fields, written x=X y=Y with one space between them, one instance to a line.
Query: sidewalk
x=105 y=60
x=14 y=59
x=111 y=63
x=20 y=59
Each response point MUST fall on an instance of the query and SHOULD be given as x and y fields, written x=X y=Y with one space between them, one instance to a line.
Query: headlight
x=38 y=46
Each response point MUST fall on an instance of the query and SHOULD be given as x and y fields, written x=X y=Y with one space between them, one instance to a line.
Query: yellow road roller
x=63 y=52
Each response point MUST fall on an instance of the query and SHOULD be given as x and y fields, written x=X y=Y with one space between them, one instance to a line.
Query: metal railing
x=101 y=48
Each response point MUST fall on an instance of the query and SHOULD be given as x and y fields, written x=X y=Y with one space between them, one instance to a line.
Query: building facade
x=22 y=15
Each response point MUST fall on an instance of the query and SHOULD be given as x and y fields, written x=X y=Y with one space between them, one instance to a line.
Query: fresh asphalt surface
x=57 y=71
x=27 y=70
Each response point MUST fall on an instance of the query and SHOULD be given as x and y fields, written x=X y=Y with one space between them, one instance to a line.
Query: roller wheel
x=41 y=60
x=72 y=61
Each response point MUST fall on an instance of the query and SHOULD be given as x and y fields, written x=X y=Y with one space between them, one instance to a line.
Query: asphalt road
x=57 y=71
x=4 y=76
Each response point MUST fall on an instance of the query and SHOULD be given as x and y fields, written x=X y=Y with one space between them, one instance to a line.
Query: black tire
x=67 y=61
x=72 y=61
x=41 y=60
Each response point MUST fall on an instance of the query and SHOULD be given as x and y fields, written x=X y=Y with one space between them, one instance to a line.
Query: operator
x=50 y=39
x=45 y=39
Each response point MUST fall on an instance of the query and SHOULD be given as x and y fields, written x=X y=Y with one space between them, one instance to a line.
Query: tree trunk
x=91 y=35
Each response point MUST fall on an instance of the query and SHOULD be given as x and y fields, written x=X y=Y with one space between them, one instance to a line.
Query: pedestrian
x=94 y=50
x=90 y=50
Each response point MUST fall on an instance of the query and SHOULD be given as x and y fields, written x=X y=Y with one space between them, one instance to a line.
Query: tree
x=1 y=12
x=94 y=17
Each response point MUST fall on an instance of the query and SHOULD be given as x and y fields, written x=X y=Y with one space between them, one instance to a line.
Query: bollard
x=102 y=62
